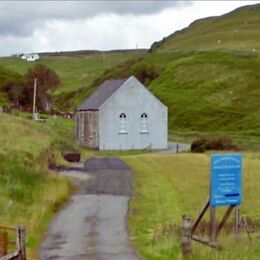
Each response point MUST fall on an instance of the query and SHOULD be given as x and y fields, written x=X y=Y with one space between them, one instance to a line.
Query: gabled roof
x=102 y=94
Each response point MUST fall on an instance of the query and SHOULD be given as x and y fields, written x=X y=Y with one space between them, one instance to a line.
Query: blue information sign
x=226 y=179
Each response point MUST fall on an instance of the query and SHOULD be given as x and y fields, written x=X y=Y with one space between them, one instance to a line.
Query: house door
x=82 y=128
x=92 y=130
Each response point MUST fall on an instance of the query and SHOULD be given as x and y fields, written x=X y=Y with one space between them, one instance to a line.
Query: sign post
x=225 y=190
x=226 y=180
x=225 y=186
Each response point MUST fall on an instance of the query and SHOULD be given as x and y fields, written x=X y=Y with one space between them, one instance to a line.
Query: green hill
x=77 y=70
x=237 y=30
x=207 y=86
x=204 y=91
x=214 y=90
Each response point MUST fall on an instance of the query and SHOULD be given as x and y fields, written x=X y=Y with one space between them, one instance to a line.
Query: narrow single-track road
x=94 y=224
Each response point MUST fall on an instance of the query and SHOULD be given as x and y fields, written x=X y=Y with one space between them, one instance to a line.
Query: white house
x=122 y=115
x=30 y=57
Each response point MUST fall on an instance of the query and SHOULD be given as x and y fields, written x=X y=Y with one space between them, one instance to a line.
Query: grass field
x=168 y=186
x=29 y=193
x=163 y=184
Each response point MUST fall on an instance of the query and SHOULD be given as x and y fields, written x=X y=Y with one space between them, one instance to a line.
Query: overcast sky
x=28 y=26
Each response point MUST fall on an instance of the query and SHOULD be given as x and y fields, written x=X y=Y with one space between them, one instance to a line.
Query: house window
x=122 y=126
x=144 y=123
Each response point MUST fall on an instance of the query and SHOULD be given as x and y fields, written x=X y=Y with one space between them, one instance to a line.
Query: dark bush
x=71 y=156
x=146 y=73
x=219 y=144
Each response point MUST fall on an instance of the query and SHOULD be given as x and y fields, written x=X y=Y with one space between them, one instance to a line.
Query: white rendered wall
x=133 y=99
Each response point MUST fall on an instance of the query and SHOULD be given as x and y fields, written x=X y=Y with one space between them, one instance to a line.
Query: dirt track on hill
x=94 y=224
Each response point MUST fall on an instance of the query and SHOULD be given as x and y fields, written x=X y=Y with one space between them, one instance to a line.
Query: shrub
x=219 y=144
x=44 y=116
x=146 y=73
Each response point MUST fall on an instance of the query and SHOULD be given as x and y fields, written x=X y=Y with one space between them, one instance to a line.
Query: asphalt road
x=94 y=224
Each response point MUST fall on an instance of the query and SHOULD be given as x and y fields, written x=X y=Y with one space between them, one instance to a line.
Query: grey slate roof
x=102 y=94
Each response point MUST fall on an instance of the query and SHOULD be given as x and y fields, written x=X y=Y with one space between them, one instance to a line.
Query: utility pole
x=103 y=55
x=34 y=97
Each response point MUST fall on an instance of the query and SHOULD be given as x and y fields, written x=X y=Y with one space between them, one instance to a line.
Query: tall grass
x=29 y=193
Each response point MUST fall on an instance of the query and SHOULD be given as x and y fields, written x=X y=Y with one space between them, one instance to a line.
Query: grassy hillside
x=214 y=90
x=204 y=91
x=29 y=193
x=77 y=70
x=237 y=30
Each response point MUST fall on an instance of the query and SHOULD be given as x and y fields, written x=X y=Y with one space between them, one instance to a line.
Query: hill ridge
x=194 y=36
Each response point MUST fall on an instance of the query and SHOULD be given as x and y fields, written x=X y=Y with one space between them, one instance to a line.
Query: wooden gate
x=12 y=243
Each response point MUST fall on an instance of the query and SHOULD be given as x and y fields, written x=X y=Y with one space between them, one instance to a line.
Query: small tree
x=11 y=86
x=47 y=79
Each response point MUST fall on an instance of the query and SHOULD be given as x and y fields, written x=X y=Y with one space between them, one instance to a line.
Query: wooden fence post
x=3 y=243
x=20 y=242
x=186 y=235
x=237 y=222
x=213 y=233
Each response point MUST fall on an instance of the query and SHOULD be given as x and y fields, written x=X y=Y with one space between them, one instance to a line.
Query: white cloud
x=22 y=17
x=113 y=31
